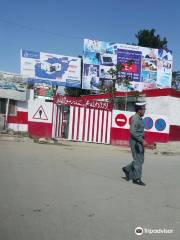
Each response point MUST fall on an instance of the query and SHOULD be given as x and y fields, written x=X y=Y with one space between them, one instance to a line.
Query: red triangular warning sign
x=40 y=114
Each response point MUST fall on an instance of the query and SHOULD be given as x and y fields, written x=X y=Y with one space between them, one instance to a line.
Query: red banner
x=129 y=68
x=73 y=101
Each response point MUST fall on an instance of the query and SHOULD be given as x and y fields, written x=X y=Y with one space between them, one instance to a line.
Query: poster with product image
x=59 y=69
x=149 y=69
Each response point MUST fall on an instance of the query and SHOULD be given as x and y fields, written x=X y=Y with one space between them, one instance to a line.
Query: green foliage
x=119 y=78
x=147 y=38
x=174 y=74
x=136 y=95
x=76 y=92
x=30 y=86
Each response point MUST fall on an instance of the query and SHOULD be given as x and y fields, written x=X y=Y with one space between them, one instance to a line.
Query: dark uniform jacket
x=137 y=132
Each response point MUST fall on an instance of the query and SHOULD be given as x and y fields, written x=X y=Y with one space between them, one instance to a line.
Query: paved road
x=76 y=192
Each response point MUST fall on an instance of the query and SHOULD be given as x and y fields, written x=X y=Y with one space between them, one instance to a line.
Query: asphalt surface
x=76 y=192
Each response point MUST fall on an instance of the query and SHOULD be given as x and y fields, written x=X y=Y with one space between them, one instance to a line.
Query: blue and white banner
x=60 y=70
x=150 y=68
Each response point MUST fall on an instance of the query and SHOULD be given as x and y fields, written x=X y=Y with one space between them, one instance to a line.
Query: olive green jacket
x=137 y=129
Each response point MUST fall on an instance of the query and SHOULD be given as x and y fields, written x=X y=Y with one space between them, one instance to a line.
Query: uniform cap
x=140 y=103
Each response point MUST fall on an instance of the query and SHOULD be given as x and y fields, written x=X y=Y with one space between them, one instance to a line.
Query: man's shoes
x=126 y=173
x=139 y=182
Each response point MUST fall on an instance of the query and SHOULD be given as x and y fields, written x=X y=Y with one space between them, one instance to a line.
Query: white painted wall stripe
x=95 y=126
x=75 y=122
x=86 y=124
x=91 y=124
x=109 y=127
x=54 y=121
x=100 y=126
x=81 y=123
x=18 y=127
x=104 y=126
x=70 y=123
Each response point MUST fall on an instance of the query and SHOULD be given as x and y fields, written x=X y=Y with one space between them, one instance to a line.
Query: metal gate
x=85 y=124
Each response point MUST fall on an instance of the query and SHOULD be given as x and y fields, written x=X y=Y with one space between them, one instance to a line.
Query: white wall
x=33 y=111
x=18 y=127
x=22 y=106
x=165 y=105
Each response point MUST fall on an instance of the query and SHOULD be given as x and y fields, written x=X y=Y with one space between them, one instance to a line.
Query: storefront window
x=65 y=121
x=12 y=107
x=2 y=106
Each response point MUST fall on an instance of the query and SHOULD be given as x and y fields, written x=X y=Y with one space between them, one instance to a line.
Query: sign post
x=7 y=112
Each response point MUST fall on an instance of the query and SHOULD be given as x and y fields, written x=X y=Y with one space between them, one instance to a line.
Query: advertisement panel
x=12 y=86
x=126 y=55
x=164 y=73
x=150 y=68
x=60 y=70
x=43 y=90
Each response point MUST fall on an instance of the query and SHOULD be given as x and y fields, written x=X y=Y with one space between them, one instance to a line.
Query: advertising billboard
x=12 y=86
x=43 y=90
x=149 y=69
x=58 y=69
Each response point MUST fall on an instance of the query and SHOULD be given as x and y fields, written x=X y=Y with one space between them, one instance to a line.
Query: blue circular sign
x=160 y=124
x=148 y=123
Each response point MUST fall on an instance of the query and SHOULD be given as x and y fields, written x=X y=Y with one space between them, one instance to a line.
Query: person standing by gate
x=133 y=171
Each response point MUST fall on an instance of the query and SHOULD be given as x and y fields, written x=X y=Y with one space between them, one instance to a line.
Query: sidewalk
x=169 y=148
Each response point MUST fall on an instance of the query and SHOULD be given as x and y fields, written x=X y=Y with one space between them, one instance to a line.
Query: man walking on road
x=133 y=171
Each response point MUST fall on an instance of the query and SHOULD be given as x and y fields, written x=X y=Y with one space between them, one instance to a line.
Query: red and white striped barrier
x=89 y=125
x=85 y=124
x=89 y=120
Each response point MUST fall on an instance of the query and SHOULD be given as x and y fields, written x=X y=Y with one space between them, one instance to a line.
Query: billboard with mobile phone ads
x=149 y=69
x=58 y=70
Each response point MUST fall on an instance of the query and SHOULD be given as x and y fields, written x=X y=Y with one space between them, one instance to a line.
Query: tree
x=176 y=80
x=147 y=38
x=118 y=76
x=76 y=92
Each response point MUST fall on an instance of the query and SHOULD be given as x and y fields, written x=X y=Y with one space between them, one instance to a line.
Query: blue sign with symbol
x=148 y=123
x=160 y=124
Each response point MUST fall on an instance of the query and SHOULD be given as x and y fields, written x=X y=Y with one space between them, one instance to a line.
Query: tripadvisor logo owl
x=139 y=231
